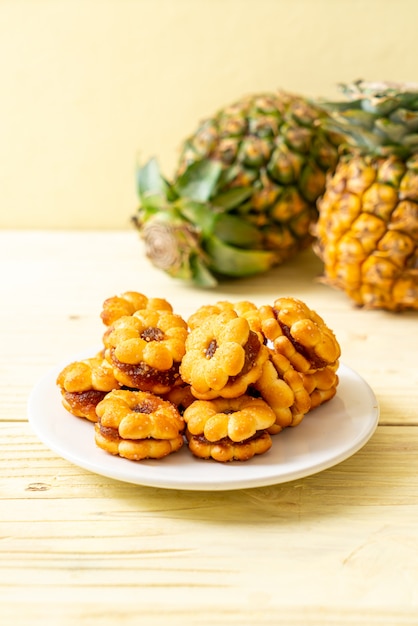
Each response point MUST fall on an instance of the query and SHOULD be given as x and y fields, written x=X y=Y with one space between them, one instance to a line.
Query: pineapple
x=243 y=198
x=367 y=230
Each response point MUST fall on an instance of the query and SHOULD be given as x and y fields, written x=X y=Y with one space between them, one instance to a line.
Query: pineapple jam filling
x=84 y=400
x=226 y=440
x=142 y=374
x=251 y=351
x=109 y=433
x=152 y=334
x=112 y=433
x=144 y=407
x=309 y=355
x=211 y=349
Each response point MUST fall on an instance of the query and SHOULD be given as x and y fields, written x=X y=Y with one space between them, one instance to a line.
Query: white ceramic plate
x=326 y=436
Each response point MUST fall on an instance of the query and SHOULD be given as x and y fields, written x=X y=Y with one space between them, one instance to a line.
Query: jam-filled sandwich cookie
x=321 y=385
x=299 y=334
x=243 y=308
x=181 y=396
x=145 y=350
x=229 y=429
x=138 y=425
x=83 y=384
x=282 y=387
x=223 y=356
x=127 y=303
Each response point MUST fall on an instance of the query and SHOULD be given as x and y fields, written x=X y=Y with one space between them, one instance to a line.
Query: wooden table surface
x=337 y=547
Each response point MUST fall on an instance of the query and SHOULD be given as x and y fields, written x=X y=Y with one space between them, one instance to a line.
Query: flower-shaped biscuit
x=299 y=334
x=129 y=302
x=138 y=425
x=145 y=349
x=227 y=450
x=281 y=386
x=243 y=308
x=235 y=418
x=227 y=429
x=181 y=396
x=85 y=383
x=321 y=385
x=223 y=356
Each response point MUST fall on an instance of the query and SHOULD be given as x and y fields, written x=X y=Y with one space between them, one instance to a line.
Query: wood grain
x=339 y=547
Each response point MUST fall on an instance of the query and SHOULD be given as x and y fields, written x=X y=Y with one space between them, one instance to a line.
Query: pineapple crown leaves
x=376 y=118
x=188 y=229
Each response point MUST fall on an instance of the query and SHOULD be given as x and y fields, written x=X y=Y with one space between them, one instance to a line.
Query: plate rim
x=46 y=435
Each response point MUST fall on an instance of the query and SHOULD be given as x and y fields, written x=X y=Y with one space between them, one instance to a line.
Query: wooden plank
x=50 y=311
x=345 y=537
x=339 y=547
x=31 y=472
x=134 y=611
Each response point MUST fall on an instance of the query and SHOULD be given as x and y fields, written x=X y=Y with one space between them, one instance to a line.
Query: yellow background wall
x=87 y=86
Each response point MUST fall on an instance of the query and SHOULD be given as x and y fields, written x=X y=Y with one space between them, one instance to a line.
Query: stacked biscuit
x=225 y=381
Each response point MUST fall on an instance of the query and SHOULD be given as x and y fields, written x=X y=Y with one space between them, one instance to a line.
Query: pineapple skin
x=367 y=231
x=273 y=143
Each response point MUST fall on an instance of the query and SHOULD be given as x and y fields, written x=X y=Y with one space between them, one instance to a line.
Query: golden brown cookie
x=227 y=450
x=145 y=349
x=223 y=356
x=181 y=396
x=129 y=302
x=138 y=425
x=299 y=334
x=135 y=450
x=235 y=418
x=227 y=429
x=243 y=308
x=321 y=385
x=281 y=386
x=83 y=384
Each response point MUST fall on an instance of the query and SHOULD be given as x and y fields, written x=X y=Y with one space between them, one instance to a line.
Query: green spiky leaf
x=232 y=198
x=197 y=213
x=201 y=275
x=199 y=181
x=152 y=186
x=230 y=261
x=150 y=179
x=236 y=231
